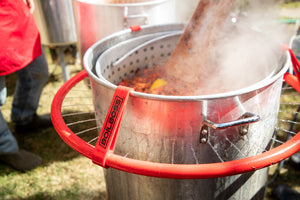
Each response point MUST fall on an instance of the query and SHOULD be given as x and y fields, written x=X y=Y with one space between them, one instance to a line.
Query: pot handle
x=128 y=16
x=243 y=122
x=107 y=138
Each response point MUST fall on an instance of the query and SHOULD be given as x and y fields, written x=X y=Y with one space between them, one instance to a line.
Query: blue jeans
x=30 y=83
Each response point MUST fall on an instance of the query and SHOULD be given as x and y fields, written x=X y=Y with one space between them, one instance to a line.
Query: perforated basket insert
x=114 y=67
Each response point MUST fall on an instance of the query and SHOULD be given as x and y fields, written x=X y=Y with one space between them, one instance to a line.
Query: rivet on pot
x=204 y=132
x=243 y=130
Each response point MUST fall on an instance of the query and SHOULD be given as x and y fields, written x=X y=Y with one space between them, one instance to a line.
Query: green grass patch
x=295 y=4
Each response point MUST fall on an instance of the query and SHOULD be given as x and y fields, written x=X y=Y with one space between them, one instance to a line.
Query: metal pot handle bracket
x=243 y=122
x=107 y=138
x=128 y=16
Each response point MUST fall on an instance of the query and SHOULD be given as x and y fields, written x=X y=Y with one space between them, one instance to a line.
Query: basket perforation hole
x=136 y=52
x=137 y=61
x=145 y=49
x=161 y=46
x=132 y=71
x=152 y=48
x=162 y=55
x=119 y=69
x=124 y=66
x=131 y=63
x=146 y=58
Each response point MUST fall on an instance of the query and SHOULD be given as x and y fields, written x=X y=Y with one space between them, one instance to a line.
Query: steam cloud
x=248 y=51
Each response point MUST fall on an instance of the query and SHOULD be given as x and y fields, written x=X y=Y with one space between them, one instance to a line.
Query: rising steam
x=247 y=51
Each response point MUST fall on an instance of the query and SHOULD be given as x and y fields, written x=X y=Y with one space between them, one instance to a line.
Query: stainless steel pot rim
x=248 y=89
x=261 y=84
x=100 y=2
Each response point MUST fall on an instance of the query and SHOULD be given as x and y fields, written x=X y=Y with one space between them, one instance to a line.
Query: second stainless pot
x=96 y=19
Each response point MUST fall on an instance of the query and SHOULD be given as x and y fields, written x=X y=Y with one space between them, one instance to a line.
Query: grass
x=295 y=4
x=76 y=178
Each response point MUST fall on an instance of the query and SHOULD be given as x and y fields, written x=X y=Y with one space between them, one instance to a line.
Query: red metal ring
x=164 y=170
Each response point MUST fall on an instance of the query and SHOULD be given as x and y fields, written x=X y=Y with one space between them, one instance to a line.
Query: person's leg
x=30 y=84
x=10 y=153
x=31 y=81
x=8 y=143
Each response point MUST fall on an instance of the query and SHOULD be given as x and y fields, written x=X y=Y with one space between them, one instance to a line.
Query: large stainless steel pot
x=182 y=129
x=55 y=20
x=96 y=19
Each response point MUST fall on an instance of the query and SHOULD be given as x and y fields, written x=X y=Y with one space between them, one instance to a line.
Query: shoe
x=22 y=160
x=294 y=161
x=283 y=192
x=36 y=123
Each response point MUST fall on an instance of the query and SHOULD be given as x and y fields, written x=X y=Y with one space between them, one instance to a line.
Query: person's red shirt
x=19 y=36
